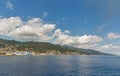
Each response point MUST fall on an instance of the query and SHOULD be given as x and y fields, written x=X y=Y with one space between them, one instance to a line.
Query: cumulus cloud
x=34 y=29
x=9 y=24
x=9 y=5
x=77 y=41
x=112 y=35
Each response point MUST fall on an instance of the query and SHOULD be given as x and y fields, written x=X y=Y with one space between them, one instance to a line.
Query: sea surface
x=59 y=66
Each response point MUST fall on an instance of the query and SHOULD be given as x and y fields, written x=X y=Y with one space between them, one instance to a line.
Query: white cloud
x=44 y=15
x=9 y=5
x=109 y=48
x=112 y=35
x=77 y=41
x=9 y=24
x=34 y=29
x=66 y=32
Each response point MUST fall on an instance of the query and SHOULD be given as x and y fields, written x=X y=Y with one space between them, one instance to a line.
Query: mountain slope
x=43 y=47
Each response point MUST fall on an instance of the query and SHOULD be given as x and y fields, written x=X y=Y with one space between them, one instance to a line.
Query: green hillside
x=43 y=47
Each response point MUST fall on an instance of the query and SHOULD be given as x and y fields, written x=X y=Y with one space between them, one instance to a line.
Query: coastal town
x=13 y=51
x=18 y=53
x=25 y=53
x=29 y=49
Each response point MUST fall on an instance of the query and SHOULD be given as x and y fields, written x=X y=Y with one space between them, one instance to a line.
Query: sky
x=89 y=24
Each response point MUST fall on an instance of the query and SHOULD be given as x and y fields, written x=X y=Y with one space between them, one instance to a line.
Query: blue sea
x=59 y=66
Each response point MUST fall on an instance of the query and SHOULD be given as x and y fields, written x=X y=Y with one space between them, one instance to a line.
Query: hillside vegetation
x=43 y=47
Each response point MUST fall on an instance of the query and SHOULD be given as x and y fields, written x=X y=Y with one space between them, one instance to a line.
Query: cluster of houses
x=21 y=53
x=15 y=53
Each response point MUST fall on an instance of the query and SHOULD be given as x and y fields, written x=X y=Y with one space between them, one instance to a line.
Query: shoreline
x=58 y=55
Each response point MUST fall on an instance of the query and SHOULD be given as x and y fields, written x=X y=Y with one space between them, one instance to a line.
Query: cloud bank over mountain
x=37 y=30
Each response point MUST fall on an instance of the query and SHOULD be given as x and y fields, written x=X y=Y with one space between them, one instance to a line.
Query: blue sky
x=95 y=12
x=73 y=19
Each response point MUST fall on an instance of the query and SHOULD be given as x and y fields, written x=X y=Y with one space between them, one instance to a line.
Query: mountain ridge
x=46 y=48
